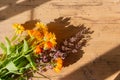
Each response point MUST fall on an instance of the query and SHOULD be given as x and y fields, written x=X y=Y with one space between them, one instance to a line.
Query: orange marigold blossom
x=19 y=28
x=59 y=64
x=50 y=40
x=35 y=33
x=38 y=49
x=59 y=60
x=48 y=45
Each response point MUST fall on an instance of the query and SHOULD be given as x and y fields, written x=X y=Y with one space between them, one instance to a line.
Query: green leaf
x=14 y=37
x=24 y=68
x=5 y=62
x=32 y=63
x=21 y=62
x=18 y=59
x=17 y=50
x=8 y=44
x=2 y=46
x=7 y=75
x=25 y=46
x=16 y=72
x=11 y=66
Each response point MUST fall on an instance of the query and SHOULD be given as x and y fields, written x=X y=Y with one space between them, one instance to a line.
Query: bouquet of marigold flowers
x=31 y=50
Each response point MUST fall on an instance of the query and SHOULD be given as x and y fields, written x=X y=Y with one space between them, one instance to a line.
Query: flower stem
x=43 y=75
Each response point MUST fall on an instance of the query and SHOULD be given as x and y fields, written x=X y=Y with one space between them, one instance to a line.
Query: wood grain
x=101 y=58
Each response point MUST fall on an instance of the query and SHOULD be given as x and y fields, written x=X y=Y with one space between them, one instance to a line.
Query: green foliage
x=25 y=46
x=15 y=60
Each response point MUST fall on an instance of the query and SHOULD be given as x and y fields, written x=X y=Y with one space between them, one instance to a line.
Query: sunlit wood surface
x=101 y=58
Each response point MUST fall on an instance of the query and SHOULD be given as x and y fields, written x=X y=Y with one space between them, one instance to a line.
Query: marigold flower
x=42 y=27
x=50 y=40
x=59 y=60
x=38 y=49
x=30 y=32
x=34 y=33
x=50 y=36
x=19 y=28
x=59 y=64
x=48 y=45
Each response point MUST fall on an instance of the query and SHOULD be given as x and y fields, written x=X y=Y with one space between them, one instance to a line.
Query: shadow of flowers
x=71 y=39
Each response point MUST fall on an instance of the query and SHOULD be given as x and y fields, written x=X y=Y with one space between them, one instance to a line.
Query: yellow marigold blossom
x=19 y=28
x=30 y=32
x=34 y=33
x=42 y=27
x=50 y=37
x=59 y=64
x=50 y=40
